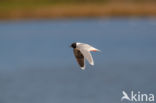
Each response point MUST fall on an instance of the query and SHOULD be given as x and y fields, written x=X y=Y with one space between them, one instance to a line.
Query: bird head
x=73 y=45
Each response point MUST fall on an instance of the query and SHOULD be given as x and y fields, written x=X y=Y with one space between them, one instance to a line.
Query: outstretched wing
x=87 y=46
x=85 y=50
x=87 y=55
x=80 y=58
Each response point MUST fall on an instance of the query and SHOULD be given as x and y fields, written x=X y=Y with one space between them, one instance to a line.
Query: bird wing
x=87 y=46
x=87 y=55
x=85 y=49
x=80 y=58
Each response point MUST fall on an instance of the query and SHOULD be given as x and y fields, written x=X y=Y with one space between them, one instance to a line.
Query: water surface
x=37 y=64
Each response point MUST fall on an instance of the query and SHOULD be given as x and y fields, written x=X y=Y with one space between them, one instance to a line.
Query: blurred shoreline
x=48 y=10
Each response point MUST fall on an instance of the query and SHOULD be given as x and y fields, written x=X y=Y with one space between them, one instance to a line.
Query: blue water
x=38 y=66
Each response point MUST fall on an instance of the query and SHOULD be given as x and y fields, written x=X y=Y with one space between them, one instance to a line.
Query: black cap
x=73 y=45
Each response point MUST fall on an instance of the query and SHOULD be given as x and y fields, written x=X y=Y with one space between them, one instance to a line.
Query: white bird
x=82 y=52
x=125 y=96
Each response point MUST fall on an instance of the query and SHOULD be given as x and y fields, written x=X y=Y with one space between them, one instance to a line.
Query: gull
x=82 y=52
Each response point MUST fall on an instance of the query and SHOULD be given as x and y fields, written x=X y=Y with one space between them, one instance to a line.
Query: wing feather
x=80 y=58
x=87 y=55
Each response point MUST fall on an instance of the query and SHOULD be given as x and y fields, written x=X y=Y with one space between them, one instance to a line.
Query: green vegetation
x=19 y=9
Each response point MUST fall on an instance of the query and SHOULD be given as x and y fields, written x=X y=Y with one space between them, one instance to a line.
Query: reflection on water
x=37 y=64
